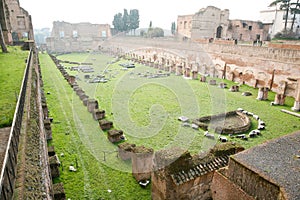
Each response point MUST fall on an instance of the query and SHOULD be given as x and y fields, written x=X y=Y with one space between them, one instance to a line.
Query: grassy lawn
x=146 y=109
x=12 y=67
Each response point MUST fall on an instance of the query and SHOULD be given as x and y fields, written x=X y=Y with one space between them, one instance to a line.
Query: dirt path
x=4 y=135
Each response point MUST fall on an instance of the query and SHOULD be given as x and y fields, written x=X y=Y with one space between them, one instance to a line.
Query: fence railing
x=8 y=171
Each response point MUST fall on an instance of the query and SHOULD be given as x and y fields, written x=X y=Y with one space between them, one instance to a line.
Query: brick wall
x=224 y=189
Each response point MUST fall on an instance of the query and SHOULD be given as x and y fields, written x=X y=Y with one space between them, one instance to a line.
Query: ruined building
x=15 y=22
x=212 y=22
x=267 y=171
x=66 y=37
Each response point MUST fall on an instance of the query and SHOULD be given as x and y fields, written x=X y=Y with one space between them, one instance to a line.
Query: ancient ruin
x=228 y=123
x=271 y=172
x=115 y=136
x=77 y=37
x=15 y=21
x=179 y=175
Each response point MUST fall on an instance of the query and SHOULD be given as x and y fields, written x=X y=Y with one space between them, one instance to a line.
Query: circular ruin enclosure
x=233 y=122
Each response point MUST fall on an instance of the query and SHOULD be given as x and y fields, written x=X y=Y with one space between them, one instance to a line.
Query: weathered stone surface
x=142 y=163
x=115 y=136
x=59 y=191
x=92 y=105
x=65 y=39
x=105 y=124
x=98 y=114
x=125 y=150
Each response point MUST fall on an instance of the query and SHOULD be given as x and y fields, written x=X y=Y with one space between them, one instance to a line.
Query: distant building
x=246 y=30
x=15 y=22
x=184 y=25
x=276 y=19
x=214 y=23
x=210 y=22
x=66 y=37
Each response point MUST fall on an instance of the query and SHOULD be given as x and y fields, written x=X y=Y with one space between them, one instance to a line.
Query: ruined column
x=142 y=163
x=297 y=97
x=72 y=80
x=195 y=75
x=280 y=96
x=279 y=99
x=179 y=70
x=262 y=93
x=92 y=104
x=187 y=72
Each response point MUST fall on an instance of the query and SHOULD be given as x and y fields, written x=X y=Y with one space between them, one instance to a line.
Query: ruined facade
x=15 y=22
x=67 y=37
x=212 y=22
x=184 y=25
x=246 y=30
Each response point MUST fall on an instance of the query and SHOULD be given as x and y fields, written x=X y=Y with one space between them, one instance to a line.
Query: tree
x=295 y=9
x=173 y=28
x=118 y=22
x=126 y=21
x=2 y=42
x=134 y=19
x=155 y=32
x=284 y=5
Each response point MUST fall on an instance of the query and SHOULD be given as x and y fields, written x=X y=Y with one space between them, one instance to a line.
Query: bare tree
x=2 y=42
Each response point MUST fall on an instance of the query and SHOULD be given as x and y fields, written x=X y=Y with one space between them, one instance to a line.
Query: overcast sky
x=161 y=12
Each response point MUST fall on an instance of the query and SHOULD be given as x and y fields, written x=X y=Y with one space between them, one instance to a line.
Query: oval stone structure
x=233 y=122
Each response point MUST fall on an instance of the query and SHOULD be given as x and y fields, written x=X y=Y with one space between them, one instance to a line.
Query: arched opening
x=219 y=32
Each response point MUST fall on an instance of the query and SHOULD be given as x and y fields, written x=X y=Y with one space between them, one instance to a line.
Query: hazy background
x=161 y=12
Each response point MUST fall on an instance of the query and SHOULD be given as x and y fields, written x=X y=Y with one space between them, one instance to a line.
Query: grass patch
x=79 y=138
x=147 y=111
x=12 y=67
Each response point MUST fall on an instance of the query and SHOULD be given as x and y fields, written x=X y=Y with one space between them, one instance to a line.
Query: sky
x=161 y=12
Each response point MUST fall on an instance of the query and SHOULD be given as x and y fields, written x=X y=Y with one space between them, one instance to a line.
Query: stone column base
x=296 y=106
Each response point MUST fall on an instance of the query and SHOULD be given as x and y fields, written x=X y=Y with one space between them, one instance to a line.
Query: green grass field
x=12 y=67
x=147 y=111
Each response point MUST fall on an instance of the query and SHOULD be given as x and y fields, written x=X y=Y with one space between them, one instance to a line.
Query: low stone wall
x=205 y=122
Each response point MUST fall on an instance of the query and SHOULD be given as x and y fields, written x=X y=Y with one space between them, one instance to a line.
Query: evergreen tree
x=118 y=22
x=173 y=28
x=134 y=19
x=126 y=21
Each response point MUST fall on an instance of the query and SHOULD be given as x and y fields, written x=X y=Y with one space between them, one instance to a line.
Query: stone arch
x=248 y=77
x=262 y=79
x=219 y=32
